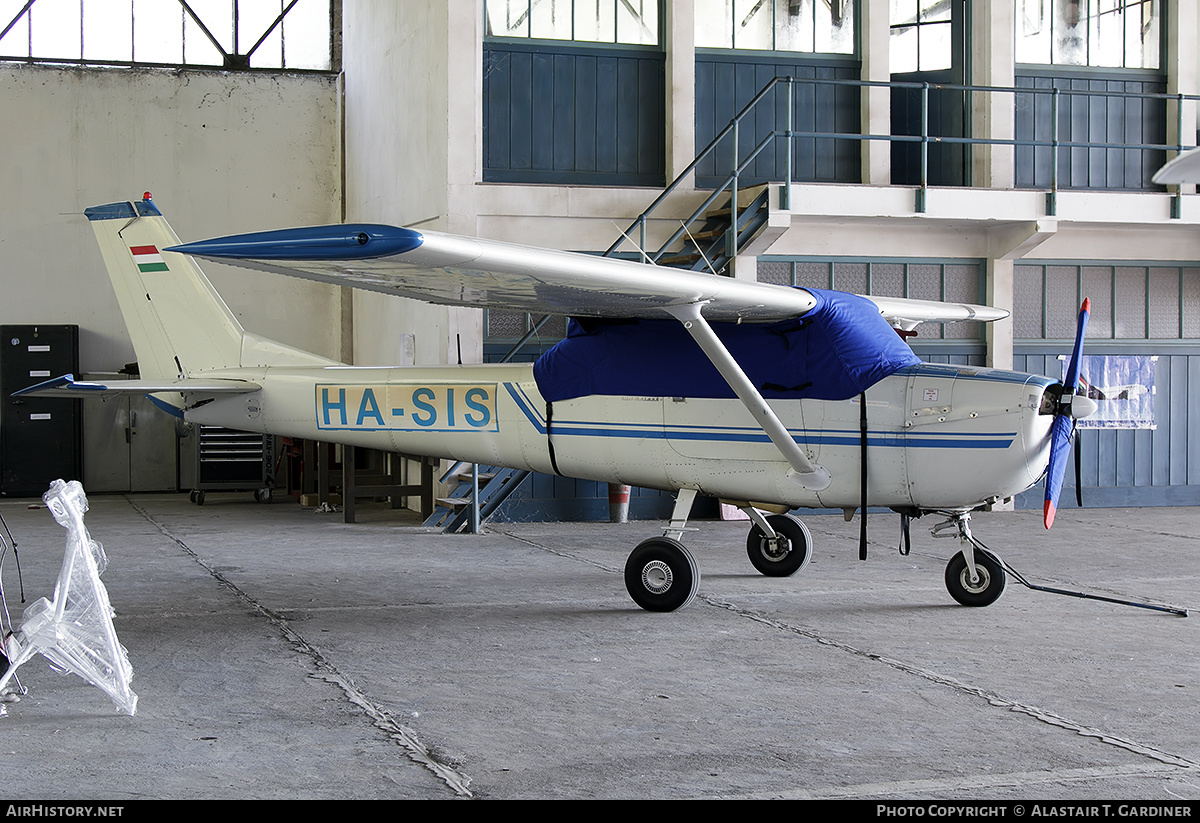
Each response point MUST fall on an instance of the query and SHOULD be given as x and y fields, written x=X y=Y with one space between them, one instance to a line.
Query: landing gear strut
x=974 y=576
x=778 y=545
x=661 y=575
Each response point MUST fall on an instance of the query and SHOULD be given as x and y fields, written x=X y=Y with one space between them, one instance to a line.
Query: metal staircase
x=712 y=245
x=457 y=513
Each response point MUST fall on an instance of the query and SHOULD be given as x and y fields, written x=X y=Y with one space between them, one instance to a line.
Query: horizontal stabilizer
x=68 y=386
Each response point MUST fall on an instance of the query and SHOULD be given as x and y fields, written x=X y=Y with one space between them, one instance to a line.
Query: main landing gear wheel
x=787 y=553
x=982 y=592
x=661 y=575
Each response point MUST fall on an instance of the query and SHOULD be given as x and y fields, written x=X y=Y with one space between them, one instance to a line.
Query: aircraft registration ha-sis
x=407 y=407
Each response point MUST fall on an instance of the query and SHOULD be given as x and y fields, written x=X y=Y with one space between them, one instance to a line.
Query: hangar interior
x=999 y=151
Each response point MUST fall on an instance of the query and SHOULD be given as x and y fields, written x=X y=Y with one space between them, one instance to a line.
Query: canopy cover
x=835 y=351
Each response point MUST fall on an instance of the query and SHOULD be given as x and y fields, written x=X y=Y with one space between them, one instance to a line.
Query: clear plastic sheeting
x=74 y=630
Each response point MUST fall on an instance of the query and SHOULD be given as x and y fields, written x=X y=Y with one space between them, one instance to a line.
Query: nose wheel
x=982 y=589
x=779 y=549
x=974 y=576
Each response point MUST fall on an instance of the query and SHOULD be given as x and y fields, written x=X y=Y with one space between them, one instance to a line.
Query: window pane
x=851 y=277
x=1142 y=35
x=1070 y=33
x=596 y=21
x=107 y=29
x=55 y=27
x=1062 y=293
x=794 y=25
x=16 y=42
x=753 y=27
x=834 y=27
x=1107 y=31
x=714 y=24
x=507 y=18
x=306 y=36
x=1130 y=306
x=903 y=50
x=1033 y=31
x=637 y=21
x=551 y=20
x=887 y=279
x=776 y=272
x=1027 y=302
x=216 y=17
x=1164 y=302
x=252 y=22
x=934 y=50
x=157 y=32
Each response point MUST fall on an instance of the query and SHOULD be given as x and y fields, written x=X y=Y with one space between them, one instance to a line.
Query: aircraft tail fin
x=178 y=324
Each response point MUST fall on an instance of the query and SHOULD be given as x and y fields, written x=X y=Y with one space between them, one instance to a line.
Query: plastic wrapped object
x=74 y=631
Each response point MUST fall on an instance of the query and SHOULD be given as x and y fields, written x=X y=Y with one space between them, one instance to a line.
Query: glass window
x=820 y=26
x=1104 y=33
x=261 y=34
x=920 y=36
x=590 y=21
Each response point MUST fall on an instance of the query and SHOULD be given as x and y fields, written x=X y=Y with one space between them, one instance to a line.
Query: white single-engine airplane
x=766 y=396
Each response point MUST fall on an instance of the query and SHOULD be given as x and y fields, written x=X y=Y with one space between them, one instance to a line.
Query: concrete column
x=993 y=52
x=875 y=104
x=1183 y=76
x=1000 y=295
x=680 y=28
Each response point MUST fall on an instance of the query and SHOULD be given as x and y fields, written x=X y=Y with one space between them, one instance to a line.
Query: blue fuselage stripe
x=739 y=434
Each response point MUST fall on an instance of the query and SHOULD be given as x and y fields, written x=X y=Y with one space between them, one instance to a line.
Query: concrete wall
x=412 y=88
x=221 y=153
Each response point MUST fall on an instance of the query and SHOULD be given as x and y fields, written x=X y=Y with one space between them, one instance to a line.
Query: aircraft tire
x=786 y=556
x=661 y=575
x=986 y=591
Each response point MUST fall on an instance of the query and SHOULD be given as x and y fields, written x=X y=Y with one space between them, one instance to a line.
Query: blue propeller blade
x=1064 y=423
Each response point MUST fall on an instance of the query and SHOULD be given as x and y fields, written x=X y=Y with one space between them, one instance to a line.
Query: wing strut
x=804 y=472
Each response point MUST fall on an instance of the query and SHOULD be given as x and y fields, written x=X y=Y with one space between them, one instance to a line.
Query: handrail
x=790 y=134
x=731 y=182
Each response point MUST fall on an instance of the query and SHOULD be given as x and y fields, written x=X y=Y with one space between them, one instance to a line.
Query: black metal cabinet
x=41 y=438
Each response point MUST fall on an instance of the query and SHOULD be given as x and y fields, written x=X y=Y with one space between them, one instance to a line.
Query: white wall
x=412 y=80
x=221 y=153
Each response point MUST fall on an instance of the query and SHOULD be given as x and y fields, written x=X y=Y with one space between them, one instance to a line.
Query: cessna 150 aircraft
x=766 y=396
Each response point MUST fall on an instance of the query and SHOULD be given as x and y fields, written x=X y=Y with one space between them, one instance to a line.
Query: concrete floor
x=279 y=653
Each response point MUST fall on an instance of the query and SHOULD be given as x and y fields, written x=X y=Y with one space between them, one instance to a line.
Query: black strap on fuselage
x=862 y=428
x=549 y=440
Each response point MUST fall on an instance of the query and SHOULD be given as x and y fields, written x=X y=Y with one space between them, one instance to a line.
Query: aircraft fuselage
x=938 y=437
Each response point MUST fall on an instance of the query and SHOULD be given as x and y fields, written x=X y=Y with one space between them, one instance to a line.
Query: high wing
x=443 y=268
x=462 y=271
x=68 y=386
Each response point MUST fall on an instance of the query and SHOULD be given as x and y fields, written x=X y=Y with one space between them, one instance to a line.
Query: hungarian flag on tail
x=147 y=259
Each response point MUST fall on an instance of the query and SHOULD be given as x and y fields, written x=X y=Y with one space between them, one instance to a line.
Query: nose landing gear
x=974 y=576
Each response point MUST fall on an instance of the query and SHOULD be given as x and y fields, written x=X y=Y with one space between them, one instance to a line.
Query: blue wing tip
x=338 y=242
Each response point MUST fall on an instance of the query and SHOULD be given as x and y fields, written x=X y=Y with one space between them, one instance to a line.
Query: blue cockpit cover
x=836 y=350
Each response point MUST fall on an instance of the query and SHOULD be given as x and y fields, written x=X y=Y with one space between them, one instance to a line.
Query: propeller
x=1070 y=408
